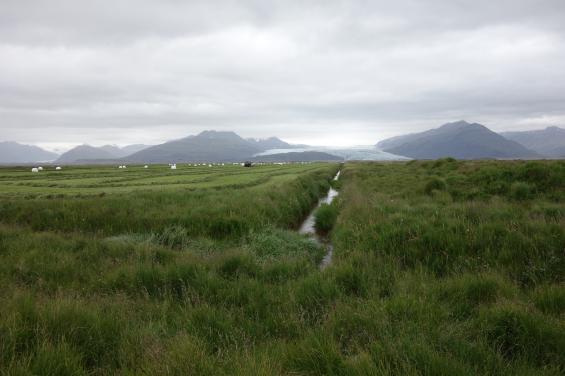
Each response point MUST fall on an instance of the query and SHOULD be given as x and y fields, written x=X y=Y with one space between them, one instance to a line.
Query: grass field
x=440 y=267
x=91 y=181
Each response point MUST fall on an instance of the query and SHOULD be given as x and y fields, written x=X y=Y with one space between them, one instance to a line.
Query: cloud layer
x=333 y=72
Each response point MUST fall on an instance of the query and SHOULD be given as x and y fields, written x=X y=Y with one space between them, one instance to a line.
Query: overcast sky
x=318 y=72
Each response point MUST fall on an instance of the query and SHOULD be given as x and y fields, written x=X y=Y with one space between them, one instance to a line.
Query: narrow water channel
x=308 y=228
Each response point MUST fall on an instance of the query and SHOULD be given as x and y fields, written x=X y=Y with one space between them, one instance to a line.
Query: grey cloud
x=357 y=70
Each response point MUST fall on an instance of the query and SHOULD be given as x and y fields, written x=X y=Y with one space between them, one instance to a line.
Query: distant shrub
x=434 y=184
x=498 y=187
x=325 y=217
x=449 y=161
x=520 y=191
x=537 y=173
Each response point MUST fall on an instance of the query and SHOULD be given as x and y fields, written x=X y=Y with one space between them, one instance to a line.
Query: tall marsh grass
x=465 y=277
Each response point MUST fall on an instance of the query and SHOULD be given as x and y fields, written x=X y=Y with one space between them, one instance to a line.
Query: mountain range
x=208 y=146
x=107 y=152
x=272 y=143
x=549 y=142
x=124 y=151
x=460 y=140
x=13 y=152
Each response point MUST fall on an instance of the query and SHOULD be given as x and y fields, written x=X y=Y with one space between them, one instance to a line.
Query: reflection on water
x=308 y=226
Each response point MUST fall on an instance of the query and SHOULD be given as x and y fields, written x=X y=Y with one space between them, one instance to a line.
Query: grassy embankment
x=440 y=268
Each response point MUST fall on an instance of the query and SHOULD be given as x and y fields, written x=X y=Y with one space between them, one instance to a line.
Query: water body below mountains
x=357 y=153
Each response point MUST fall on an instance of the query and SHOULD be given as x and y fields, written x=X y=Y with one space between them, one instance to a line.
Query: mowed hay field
x=440 y=267
x=81 y=181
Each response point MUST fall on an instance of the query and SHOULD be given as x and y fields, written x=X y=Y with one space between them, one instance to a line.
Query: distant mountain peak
x=270 y=143
x=86 y=152
x=458 y=139
x=14 y=152
x=461 y=124
x=207 y=146
x=549 y=141
x=555 y=128
x=456 y=124
x=211 y=134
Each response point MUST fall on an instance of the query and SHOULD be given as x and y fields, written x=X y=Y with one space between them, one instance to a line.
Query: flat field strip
x=17 y=182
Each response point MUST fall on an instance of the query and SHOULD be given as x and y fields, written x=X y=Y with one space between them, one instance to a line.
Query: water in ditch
x=308 y=228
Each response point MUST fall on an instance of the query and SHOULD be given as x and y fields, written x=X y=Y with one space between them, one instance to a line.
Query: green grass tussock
x=550 y=299
x=522 y=335
x=325 y=217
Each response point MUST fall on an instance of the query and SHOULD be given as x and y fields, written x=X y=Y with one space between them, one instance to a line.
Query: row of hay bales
x=40 y=168
x=173 y=166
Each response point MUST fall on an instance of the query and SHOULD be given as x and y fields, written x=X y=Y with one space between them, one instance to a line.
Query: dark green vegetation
x=440 y=267
x=325 y=217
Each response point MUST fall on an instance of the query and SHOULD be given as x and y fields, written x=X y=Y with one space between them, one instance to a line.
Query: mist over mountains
x=92 y=153
x=13 y=152
x=120 y=152
x=459 y=139
x=298 y=156
x=474 y=141
x=208 y=146
x=271 y=143
x=549 y=142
